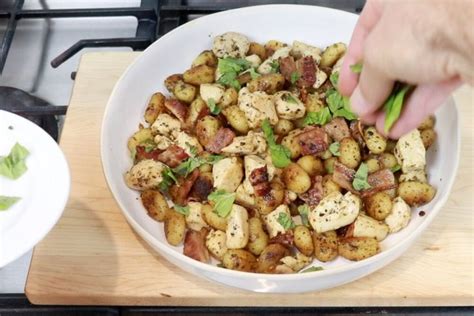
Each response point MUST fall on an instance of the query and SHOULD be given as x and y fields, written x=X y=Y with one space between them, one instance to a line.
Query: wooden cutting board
x=93 y=256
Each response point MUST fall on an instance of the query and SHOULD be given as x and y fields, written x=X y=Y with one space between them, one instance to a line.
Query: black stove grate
x=155 y=18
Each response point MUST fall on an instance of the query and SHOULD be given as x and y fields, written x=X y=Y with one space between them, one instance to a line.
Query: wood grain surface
x=93 y=256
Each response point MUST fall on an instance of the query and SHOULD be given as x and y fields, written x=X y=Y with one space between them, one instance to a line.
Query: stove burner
x=24 y=104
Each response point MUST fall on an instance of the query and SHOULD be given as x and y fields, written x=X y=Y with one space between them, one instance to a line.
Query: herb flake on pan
x=334 y=149
x=279 y=153
x=360 y=179
x=304 y=213
x=213 y=107
x=7 y=201
x=285 y=221
x=181 y=209
x=223 y=202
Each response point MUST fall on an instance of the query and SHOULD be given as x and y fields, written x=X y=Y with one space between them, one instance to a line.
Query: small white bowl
x=173 y=53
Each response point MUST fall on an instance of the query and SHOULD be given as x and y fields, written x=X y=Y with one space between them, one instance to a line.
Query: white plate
x=173 y=53
x=43 y=188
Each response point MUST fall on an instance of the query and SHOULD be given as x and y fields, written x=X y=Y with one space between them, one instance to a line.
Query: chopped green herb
x=211 y=103
x=393 y=106
x=188 y=166
x=229 y=68
x=321 y=117
x=304 y=213
x=254 y=74
x=168 y=179
x=334 y=78
x=275 y=66
x=334 y=149
x=223 y=202
x=13 y=166
x=339 y=105
x=356 y=68
x=279 y=153
x=288 y=97
x=395 y=168
x=181 y=209
x=312 y=269
x=7 y=201
x=360 y=179
x=295 y=76
x=285 y=221
x=192 y=149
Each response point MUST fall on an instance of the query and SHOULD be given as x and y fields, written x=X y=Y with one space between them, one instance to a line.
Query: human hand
x=428 y=43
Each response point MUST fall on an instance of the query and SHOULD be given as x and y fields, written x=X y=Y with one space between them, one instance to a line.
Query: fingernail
x=358 y=103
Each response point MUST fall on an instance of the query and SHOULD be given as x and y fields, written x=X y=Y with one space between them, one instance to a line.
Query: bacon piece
x=337 y=129
x=223 y=137
x=259 y=179
x=303 y=95
x=194 y=245
x=285 y=239
x=356 y=133
x=143 y=154
x=380 y=181
x=180 y=191
x=179 y=109
x=315 y=194
x=343 y=176
x=287 y=67
x=307 y=71
x=172 y=156
x=313 y=140
x=202 y=187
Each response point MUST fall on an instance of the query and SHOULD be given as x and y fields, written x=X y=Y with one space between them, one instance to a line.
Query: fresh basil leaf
x=312 y=269
x=14 y=166
x=254 y=74
x=334 y=149
x=192 y=149
x=304 y=213
x=393 y=107
x=280 y=154
x=360 y=179
x=395 y=168
x=275 y=66
x=168 y=179
x=334 y=78
x=339 y=105
x=295 y=76
x=356 y=68
x=321 y=117
x=212 y=159
x=213 y=107
x=181 y=209
x=229 y=79
x=285 y=221
x=347 y=114
x=223 y=202
x=7 y=201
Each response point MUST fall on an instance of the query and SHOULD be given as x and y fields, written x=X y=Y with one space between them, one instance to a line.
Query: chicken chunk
x=194 y=219
x=145 y=175
x=237 y=232
x=188 y=143
x=211 y=91
x=334 y=211
x=252 y=143
x=410 y=152
x=266 y=67
x=166 y=125
x=321 y=77
x=300 y=49
x=230 y=44
x=216 y=243
x=271 y=220
x=227 y=174
x=254 y=60
x=288 y=106
x=257 y=106
x=399 y=217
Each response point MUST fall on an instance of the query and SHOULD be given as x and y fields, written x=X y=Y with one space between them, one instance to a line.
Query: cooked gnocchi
x=254 y=160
